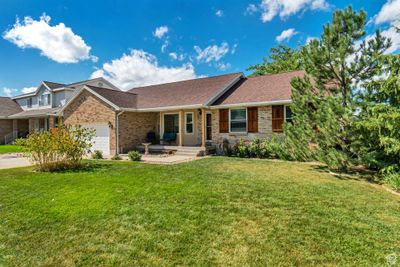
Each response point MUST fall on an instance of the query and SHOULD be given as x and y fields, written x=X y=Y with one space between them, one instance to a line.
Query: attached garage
x=101 y=140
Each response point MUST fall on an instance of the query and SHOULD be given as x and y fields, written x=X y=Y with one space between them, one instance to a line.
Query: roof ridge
x=119 y=91
x=200 y=78
x=270 y=74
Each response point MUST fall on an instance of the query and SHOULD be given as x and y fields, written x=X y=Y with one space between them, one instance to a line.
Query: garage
x=101 y=141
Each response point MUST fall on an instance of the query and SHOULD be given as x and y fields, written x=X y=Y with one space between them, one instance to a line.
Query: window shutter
x=223 y=120
x=252 y=117
x=277 y=118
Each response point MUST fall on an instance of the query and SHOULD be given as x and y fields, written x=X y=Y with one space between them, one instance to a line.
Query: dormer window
x=29 y=102
x=44 y=100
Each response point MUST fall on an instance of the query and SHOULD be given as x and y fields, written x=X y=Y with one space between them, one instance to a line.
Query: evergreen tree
x=377 y=128
x=336 y=65
x=281 y=59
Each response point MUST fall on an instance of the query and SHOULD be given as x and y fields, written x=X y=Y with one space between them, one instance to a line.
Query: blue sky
x=136 y=43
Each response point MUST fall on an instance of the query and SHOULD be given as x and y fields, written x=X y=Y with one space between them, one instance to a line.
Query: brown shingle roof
x=183 y=93
x=8 y=107
x=53 y=85
x=118 y=98
x=266 y=88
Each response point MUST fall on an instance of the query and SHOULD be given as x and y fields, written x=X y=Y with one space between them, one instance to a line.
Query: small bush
x=134 y=155
x=242 y=149
x=226 y=148
x=60 y=149
x=393 y=181
x=97 y=154
x=116 y=157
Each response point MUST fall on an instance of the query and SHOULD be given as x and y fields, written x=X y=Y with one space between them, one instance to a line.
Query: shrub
x=134 y=155
x=259 y=149
x=97 y=154
x=116 y=157
x=60 y=149
x=242 y=149
x=393 y=181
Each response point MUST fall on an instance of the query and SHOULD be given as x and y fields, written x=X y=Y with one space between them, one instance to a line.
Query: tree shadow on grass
x=355 y=173
x=85 y=167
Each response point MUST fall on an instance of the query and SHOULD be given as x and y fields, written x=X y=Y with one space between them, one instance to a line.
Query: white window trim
x=186 y=122
x=247 y=121
x=208 y=112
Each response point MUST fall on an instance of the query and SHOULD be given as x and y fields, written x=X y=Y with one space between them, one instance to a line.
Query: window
x=189 y=122
x=48 y=99
x=277 y=118
x=238 y=120
x=29 y=102
x=44 y=100
x=288 y=114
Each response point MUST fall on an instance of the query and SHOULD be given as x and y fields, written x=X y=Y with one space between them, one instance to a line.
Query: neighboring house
x=9 y=107
x=199 y=112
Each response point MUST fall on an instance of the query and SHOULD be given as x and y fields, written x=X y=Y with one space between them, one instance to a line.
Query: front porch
x=174 y=131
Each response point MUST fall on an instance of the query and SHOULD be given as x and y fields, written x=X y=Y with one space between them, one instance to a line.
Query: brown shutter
x=252 y=118
x=223 y=121
x=277 y=118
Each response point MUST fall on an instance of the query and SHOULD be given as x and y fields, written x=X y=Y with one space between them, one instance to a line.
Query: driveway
x=8 y=161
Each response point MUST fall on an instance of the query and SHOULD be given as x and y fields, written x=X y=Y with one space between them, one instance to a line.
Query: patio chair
x=169 y=137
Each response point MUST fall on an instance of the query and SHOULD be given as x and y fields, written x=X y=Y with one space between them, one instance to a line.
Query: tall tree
x=377 y=125
x=281 y=59
x=336 y=65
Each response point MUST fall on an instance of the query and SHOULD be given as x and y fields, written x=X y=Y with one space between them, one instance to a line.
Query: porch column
x=31 y=125
x=52 y=122
x=181 y=125
x=15 y=128
x=203 y=129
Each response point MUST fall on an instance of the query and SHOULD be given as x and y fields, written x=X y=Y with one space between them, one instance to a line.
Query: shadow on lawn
x=356 y=173
x=84 y=167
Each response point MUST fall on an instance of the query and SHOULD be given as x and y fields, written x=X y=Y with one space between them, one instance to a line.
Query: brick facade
x=88 y=109
x=133 y=128
x=6 y=127
x=264 y=128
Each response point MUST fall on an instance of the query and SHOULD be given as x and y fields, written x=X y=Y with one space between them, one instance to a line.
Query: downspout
x=117 y=134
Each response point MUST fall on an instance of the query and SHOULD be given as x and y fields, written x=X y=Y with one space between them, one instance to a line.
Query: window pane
x=238 y=114
x=288 y=114
x=238 y=126
x=189 y=117
x=189 y=128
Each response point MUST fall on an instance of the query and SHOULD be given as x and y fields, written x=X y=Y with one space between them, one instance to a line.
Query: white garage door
x=101 y=141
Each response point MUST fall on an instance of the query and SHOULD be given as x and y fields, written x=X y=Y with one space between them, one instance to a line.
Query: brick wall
x=133 y=128
x=6 y=127
x=88 y=109
x=264 y=128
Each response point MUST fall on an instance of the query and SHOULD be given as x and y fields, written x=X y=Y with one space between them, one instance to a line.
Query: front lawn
x=4 y=149
x=215 y=211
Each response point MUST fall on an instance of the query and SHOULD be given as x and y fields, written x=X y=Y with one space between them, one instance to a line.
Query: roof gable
x=8 y=107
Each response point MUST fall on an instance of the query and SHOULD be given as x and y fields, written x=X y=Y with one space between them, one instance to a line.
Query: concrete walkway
x=8 y=161
x=164 y=159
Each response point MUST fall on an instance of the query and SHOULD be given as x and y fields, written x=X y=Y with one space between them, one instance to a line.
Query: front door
x=209 y=127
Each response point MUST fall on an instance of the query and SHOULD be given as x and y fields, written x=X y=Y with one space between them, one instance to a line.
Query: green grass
x=4 y=149
x=215 y=211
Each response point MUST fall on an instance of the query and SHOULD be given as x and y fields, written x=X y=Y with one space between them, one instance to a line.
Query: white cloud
x=251 y=9
x=140 y=68
x=9 y=91
x=394 y=36
x=286 y=8
x=310 y=38
x=219 y=13
x=176 y=56
x=164 y=46
x=58 y=42
x=160 y=31
x=286 y=35
x=234 y=47
x=389 y=12
x=223 y=66
x=211 y=53
x=27 y=90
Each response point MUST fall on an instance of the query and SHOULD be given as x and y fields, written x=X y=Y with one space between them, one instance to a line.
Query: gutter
x=253 y=104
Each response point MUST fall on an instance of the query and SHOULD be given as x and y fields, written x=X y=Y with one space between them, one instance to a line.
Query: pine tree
x=281 y=59
x=377 y=126
x=336 y=65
